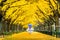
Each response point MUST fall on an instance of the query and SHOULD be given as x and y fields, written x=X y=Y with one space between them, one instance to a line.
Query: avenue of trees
x=17 y=14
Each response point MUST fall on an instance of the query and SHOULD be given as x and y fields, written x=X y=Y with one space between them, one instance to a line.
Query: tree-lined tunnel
x=20 y=13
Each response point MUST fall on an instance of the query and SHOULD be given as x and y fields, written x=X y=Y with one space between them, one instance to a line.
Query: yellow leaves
x=59 y=7
x=0 y=1
x=4 y=7
x=44 y=7
x=19 y=3
x=10 y=1
x=28 y=11
x=10 y=11
x=32 y=36
x=29 y=8
x=54 y=4
x=28 y=20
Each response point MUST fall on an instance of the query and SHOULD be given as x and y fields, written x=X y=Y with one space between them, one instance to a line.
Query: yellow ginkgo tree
x=28 y=11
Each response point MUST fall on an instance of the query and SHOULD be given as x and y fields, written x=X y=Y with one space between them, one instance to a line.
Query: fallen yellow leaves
x=1 y=38
x=32 y=36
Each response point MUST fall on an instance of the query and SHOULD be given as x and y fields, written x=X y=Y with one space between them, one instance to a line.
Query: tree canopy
x=28 y=11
